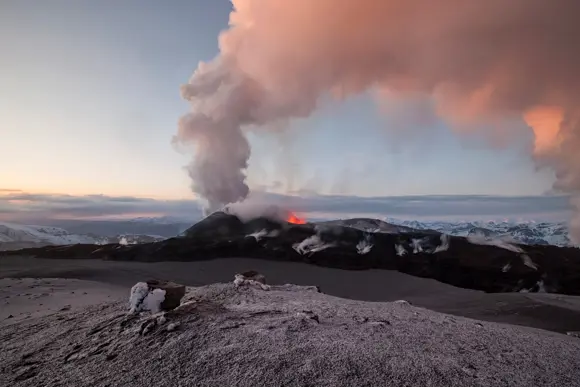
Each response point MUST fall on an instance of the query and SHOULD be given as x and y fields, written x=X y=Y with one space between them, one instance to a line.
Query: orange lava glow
x=292 y=218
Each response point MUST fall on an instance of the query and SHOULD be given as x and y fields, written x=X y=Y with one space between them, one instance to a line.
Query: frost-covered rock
x=139 y=292
x=251 y=278
x=173 y=293
x=155 y=296
x=142 y=298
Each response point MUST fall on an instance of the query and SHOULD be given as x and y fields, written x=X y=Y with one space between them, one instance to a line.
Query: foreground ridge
x=247 y=335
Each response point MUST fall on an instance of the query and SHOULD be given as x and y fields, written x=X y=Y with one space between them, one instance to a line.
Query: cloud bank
x=17 y=206
x=23 y=206
x=484 y=63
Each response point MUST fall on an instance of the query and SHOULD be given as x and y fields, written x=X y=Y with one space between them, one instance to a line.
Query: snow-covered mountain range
x=529 y=233
x=17 y=236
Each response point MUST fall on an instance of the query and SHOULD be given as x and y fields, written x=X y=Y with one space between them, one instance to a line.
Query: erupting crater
x=294 y=219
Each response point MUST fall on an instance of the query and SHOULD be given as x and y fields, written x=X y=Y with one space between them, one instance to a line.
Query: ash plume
x=480 y=61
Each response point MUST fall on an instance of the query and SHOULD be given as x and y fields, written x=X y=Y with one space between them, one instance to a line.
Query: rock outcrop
x=173 y=293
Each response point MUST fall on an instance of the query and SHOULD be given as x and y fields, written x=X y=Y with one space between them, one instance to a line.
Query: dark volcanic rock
x=254 y=276
x=452 y=260
x=173 y=293
x=222 y=225
x=218 y=225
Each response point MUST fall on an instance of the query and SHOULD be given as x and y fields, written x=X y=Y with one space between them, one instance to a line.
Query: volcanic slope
x=464 y=262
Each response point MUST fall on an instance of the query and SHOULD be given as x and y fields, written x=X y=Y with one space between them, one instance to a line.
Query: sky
x=89 y=103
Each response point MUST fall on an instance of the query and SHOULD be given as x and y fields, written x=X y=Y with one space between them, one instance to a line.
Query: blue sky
x=89 y=101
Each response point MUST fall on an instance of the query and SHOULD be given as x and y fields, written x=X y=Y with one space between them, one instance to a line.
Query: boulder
x=254 y=275
x=173 y=293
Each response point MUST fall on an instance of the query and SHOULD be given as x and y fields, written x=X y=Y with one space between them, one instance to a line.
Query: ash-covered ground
x=286 y=336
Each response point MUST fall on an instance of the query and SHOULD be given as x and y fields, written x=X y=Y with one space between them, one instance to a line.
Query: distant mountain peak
x=16 y=236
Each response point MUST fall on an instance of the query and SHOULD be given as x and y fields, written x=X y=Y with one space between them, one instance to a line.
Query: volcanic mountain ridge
x=473 y=263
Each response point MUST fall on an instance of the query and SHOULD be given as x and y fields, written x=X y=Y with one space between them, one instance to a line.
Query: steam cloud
x=481 y=61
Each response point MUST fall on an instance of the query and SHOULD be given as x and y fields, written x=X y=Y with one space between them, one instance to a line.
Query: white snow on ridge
x=444 y=246
x=259 y=235
x=364 y=246
x=130 y=239
x=400 y=250
x=24 y=236
x=311 y=245
x=504 y=243
x=367 y=225
x=13 y=232
x=529 y=232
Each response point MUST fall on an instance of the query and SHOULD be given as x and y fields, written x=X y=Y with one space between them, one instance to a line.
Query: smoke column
x=479 y=60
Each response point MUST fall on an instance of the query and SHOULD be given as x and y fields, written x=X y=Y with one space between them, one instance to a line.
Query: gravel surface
x=224 y=335
x=25 y=298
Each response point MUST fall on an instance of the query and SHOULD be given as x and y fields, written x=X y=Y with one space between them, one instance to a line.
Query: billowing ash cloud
x=481 y=61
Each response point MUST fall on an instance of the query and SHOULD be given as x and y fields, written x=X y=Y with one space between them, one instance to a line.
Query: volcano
x=355 y=244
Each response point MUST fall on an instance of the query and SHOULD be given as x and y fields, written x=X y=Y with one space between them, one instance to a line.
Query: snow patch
x=504 y=243
x=13 y=232
x=258 y=235
x=138 y=294
x=501 y=242
x=444 y=246
x=47 y=235
x=400 y=249
x=416 y=244
x=541 y=287
x=311 y=245
x=528 y=262
x=153 y=300
x=365 y=245
x=141 y=298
